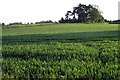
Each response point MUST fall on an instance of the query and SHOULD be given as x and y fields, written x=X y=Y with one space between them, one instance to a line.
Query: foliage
x=61 y=51
x=49 y=21
x=26 y=25
x=16 y=23
x=3 y=24
x=115 y=22
x=84 y=14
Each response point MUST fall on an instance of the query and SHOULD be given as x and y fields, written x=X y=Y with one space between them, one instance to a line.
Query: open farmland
x=61 y=51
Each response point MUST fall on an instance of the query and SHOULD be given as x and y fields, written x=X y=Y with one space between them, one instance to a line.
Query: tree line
x=20 y=23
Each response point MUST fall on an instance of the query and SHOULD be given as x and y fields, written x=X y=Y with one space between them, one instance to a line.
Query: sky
x=38 y=10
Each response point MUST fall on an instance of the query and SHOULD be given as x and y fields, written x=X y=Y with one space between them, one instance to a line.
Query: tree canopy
x=83 y=14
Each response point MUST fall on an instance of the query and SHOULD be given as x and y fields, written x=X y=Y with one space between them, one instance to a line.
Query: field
x=61 y=51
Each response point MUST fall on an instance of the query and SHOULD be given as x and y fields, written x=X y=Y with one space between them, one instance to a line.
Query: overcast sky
x=38 y=10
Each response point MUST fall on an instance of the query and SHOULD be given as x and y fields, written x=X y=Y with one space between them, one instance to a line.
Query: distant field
x=61 y=51
x=60 y=28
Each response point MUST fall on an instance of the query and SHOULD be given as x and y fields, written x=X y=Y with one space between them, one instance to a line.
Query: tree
x=3 y=24
x=83 y=13
x=95 y=15
x=62 y=20
x=31 y=23
x=68 y=14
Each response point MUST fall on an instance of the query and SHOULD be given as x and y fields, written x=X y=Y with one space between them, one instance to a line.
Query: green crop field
x=61 y=51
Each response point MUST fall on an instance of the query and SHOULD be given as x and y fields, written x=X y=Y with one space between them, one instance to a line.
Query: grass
x=61 y=51
x=60 y=28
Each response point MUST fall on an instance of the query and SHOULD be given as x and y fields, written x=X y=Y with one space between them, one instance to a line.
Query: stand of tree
x=49 y=21
x=83 y=14
x=115 y=22
x=16 y=23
